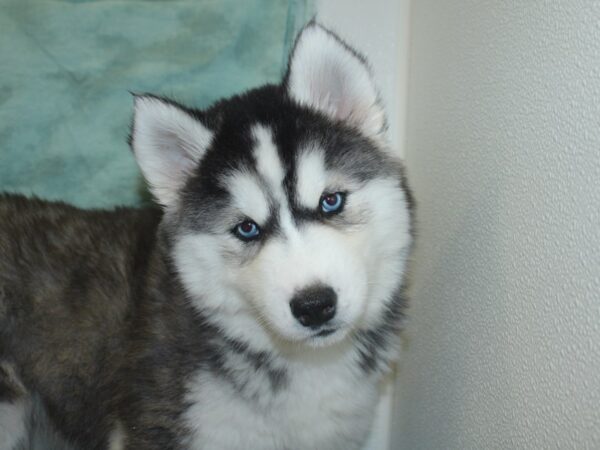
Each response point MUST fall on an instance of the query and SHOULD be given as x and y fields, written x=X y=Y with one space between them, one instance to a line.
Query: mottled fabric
x=67 y=68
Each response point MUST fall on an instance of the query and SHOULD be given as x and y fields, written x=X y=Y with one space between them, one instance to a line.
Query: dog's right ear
x=168 y=142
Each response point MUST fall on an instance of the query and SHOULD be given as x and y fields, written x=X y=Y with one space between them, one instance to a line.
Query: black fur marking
x=375 y=342
x=260 y=361
x=204 y=199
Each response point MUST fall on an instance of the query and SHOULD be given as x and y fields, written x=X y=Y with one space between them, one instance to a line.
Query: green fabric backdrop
x=66 y=68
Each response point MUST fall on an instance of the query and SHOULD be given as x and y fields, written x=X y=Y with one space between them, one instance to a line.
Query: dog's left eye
x=332 y=203
x=247 y=230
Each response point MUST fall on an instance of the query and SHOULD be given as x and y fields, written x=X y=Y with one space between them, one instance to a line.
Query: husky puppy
x=258 y=308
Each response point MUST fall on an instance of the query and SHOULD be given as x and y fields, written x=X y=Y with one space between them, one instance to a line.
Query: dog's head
x=285 y=207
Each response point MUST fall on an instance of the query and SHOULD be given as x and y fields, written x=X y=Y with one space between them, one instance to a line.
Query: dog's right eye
x=332 y=203
x=247 y=230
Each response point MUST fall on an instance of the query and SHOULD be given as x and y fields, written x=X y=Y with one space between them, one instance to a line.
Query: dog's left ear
x=326 y=74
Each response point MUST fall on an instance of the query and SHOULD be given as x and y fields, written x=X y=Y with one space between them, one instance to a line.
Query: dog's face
x=283 y=204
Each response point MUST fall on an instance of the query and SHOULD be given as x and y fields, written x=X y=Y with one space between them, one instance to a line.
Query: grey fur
x=98 y=328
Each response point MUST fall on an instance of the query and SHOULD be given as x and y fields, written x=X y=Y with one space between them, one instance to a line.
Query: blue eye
x=332 y=203
x=247 y=230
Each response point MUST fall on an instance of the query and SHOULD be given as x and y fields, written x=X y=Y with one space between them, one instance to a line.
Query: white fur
x=211 y=283
x=248 y=196
x=325 y=407
x=12 y=423
x=168 y=144
x=326 y=75
x=268 y=163
x=312 y=179
x=315 y=255
x=386 y=246
x=200 y=263
x=116 y=439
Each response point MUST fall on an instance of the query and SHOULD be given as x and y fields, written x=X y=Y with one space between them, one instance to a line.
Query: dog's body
x=260 y=310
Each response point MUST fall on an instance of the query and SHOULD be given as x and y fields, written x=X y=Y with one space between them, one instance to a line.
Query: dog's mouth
x=325 y=332
x=326 y=337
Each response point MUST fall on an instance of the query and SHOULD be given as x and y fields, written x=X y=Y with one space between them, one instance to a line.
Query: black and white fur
x=142 y=329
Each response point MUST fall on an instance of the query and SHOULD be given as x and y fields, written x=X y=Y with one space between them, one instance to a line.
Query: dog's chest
x=316 y=408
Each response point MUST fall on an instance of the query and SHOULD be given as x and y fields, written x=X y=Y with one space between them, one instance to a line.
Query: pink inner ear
x=179 y=154
x=179 y=165
x=340 y=100
x=329 y=77
x=326 y=95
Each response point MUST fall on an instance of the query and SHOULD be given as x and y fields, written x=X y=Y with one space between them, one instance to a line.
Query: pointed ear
x=168 y=143
x=326 y=74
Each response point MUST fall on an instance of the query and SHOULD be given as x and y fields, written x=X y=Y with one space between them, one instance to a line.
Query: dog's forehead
x=273 y=179
x=256 y=185
x=269 y=165
x=272 y=155
x=264 y=131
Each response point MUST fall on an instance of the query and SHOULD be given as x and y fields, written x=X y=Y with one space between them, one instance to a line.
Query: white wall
x=503 y=150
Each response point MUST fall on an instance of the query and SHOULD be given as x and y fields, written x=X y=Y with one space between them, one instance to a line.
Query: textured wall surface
x=503 y=149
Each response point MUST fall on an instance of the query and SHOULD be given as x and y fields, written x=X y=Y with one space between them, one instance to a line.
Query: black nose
x=314 y=306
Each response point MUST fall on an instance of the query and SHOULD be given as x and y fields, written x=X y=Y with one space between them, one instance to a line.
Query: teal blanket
x=67 y=68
